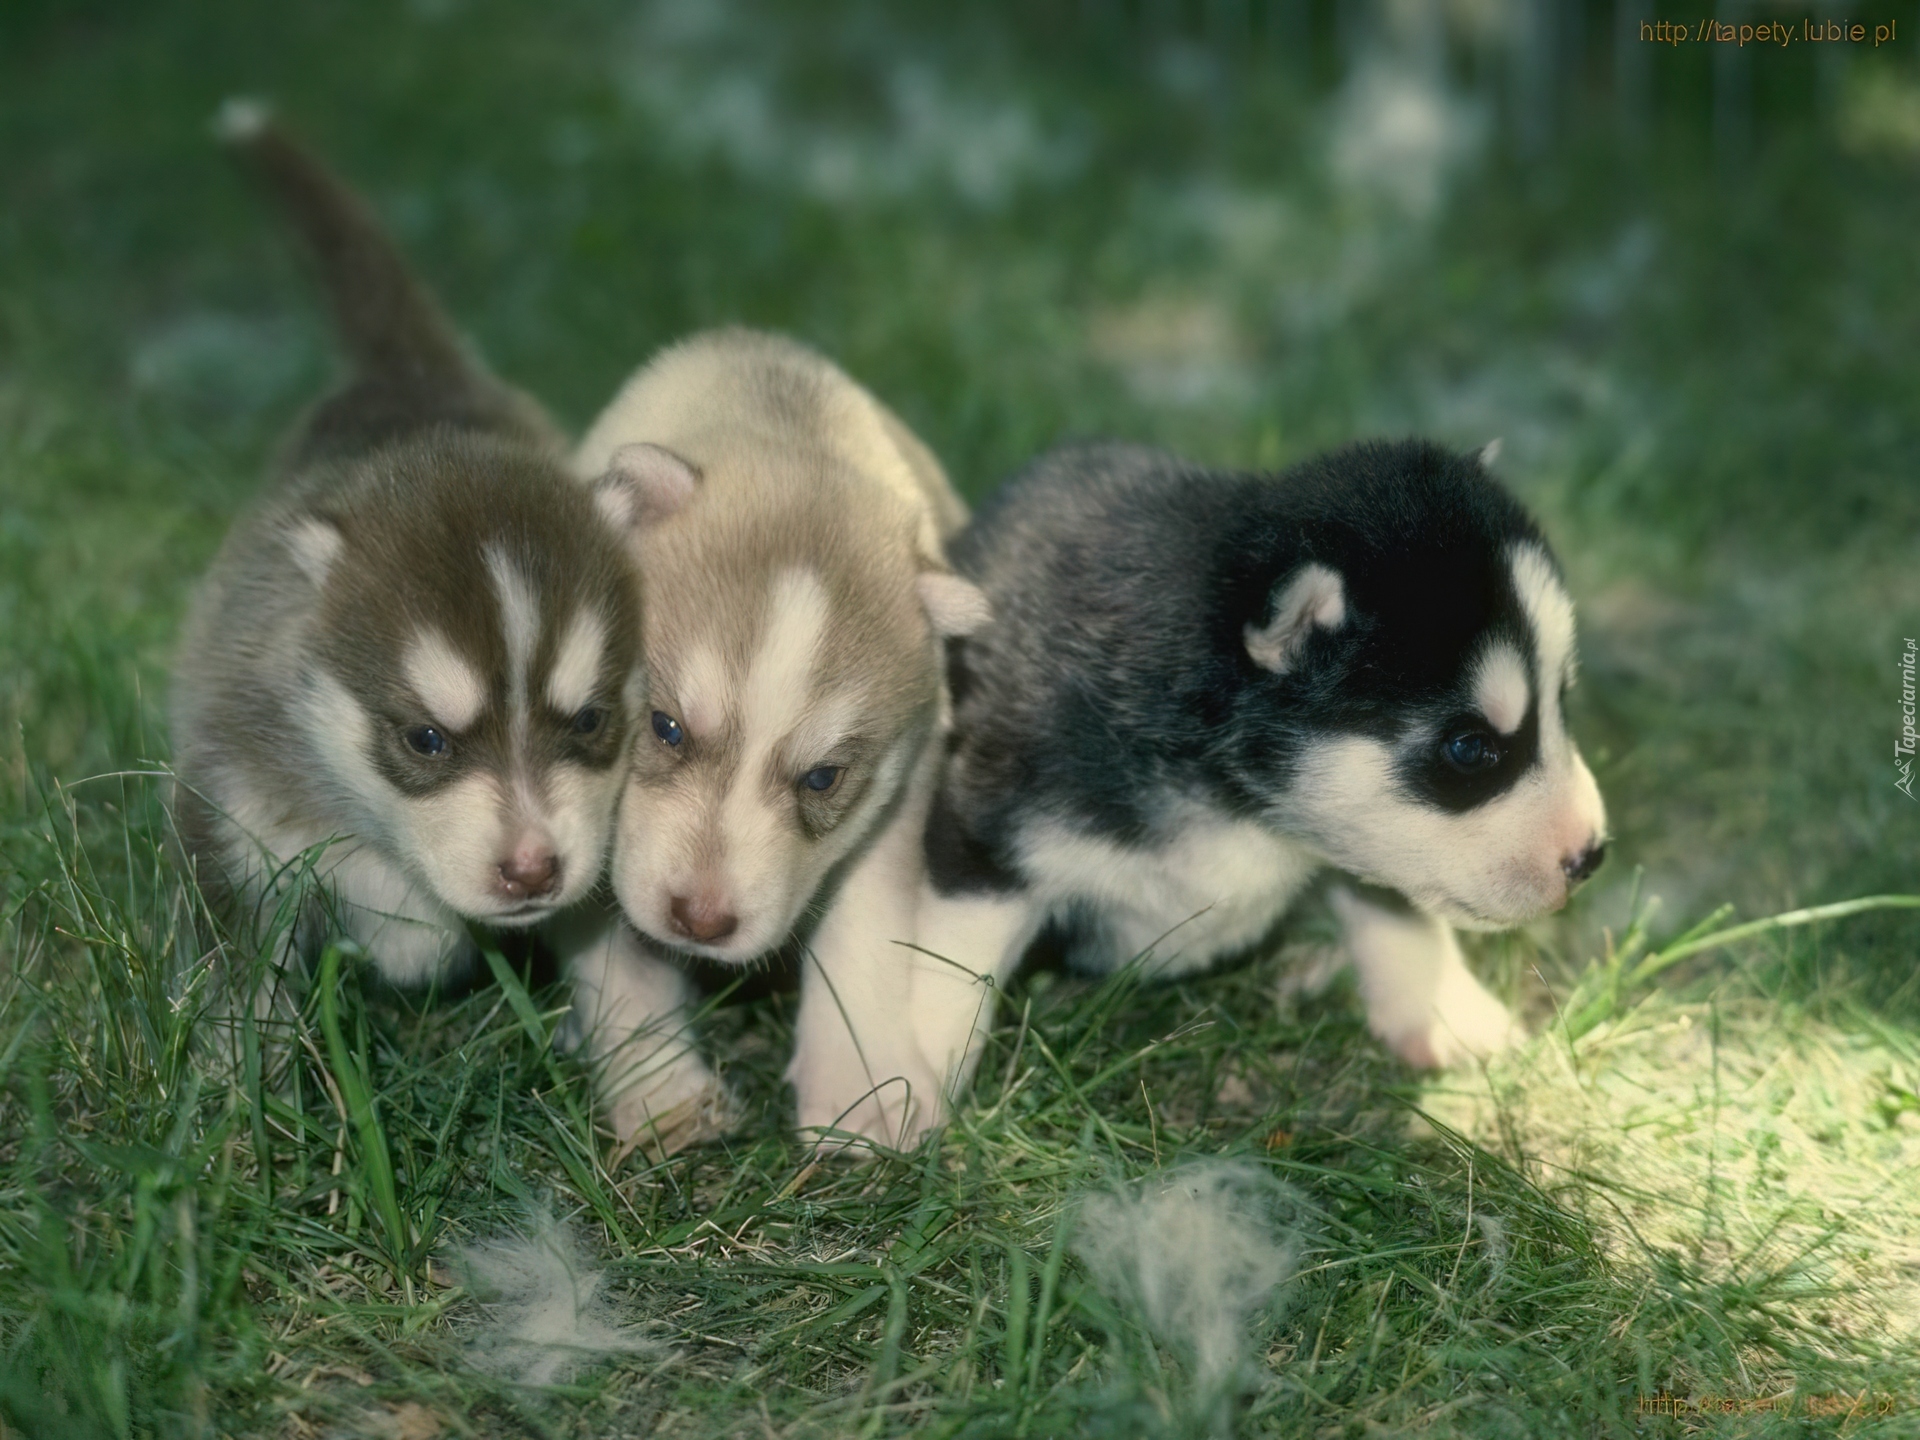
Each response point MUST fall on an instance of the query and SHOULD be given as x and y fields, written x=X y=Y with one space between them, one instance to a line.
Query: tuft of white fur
x=545 y=1315
x=1199 y=1254
x=241 y=118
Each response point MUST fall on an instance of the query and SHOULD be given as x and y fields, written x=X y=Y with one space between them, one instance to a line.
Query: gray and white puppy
x=417 y=660
x=797 y=600
x=1196 y=690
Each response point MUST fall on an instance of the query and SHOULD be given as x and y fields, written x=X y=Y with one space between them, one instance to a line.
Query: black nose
x=1579 y=867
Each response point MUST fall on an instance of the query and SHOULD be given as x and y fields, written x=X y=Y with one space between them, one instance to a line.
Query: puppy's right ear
x=1312 y=596
x=644 y=484
x=315 y=543
x=954 y=606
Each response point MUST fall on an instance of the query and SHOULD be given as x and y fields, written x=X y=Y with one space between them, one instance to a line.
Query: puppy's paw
x=1466 y=1024
x=851 y=1114
x=681 y=1105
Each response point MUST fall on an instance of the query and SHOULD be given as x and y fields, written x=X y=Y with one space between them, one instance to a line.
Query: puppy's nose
x=529 y=873
x=704 y=918
x=1579 y=867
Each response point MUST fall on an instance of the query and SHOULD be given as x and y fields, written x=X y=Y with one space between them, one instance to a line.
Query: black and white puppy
x=1199 y=688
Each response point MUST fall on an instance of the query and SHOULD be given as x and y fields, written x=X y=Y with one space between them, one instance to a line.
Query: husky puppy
x=1197 y=689
x=416 y=663
x=797 y=598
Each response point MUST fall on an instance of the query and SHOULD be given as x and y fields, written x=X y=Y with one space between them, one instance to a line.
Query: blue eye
x=589 y=720
x=425 y=740
x=824 y=778
x=667 y=728
x=1471 y=751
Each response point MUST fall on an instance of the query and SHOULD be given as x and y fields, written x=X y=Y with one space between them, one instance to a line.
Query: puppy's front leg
x=1421 y=999
x=855 y=1067
x=631 y=1010
x=969 y=944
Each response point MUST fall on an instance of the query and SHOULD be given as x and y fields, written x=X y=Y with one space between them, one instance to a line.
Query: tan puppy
x=791 y=531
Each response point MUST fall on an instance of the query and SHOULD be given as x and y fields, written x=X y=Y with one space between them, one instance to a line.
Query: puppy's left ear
x=1312 y=596
x=954 y=606
x=644 y=484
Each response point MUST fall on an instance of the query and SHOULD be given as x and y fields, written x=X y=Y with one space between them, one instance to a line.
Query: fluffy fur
x=1197 y=1254
x=1197 y=689
x=418 y=657
x=797 y=596
x=545 y=1315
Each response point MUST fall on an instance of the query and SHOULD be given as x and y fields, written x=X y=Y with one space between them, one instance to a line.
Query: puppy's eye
x=667 y=728
x=1471 y=751
x=425 y=740
x=589 y=720
x=823 y=779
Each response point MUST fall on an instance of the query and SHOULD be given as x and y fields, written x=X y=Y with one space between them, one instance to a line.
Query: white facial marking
x=451 y=689
x=780 y=677
x=340 y=732
x=576 y=669
x=315 y=545
x=519 y=624
x=1314 y=596
x=702 y=688
x=1548 y=609
x=1500 y=688
x=1485 y=867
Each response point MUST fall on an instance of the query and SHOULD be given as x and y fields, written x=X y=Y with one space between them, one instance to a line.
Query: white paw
x=667 y=1109
x=845 y=1110
x=1465 y=1024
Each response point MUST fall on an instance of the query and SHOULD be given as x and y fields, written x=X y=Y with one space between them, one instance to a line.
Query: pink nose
x=528 y=874
x=704 y=918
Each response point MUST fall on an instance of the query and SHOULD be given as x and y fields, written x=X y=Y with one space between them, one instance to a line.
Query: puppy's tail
x=391 y=327
x=412 y=371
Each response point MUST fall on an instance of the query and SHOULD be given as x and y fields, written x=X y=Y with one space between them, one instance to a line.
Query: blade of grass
x=375 y=1159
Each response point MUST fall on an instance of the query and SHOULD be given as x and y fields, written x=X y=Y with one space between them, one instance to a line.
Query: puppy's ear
x=1311 y=596
x=644 y=484
x=1488 y=453
x=954 y=606
x=315 y=543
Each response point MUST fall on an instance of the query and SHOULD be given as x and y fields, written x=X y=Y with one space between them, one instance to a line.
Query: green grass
x=1704 y=367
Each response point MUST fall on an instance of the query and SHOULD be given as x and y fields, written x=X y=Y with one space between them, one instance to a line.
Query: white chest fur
x=1214 y=886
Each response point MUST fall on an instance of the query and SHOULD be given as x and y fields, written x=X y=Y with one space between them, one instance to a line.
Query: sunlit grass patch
x=1736 y=1132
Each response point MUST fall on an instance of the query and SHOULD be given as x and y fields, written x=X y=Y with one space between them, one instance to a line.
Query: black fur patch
x=1114 y=677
